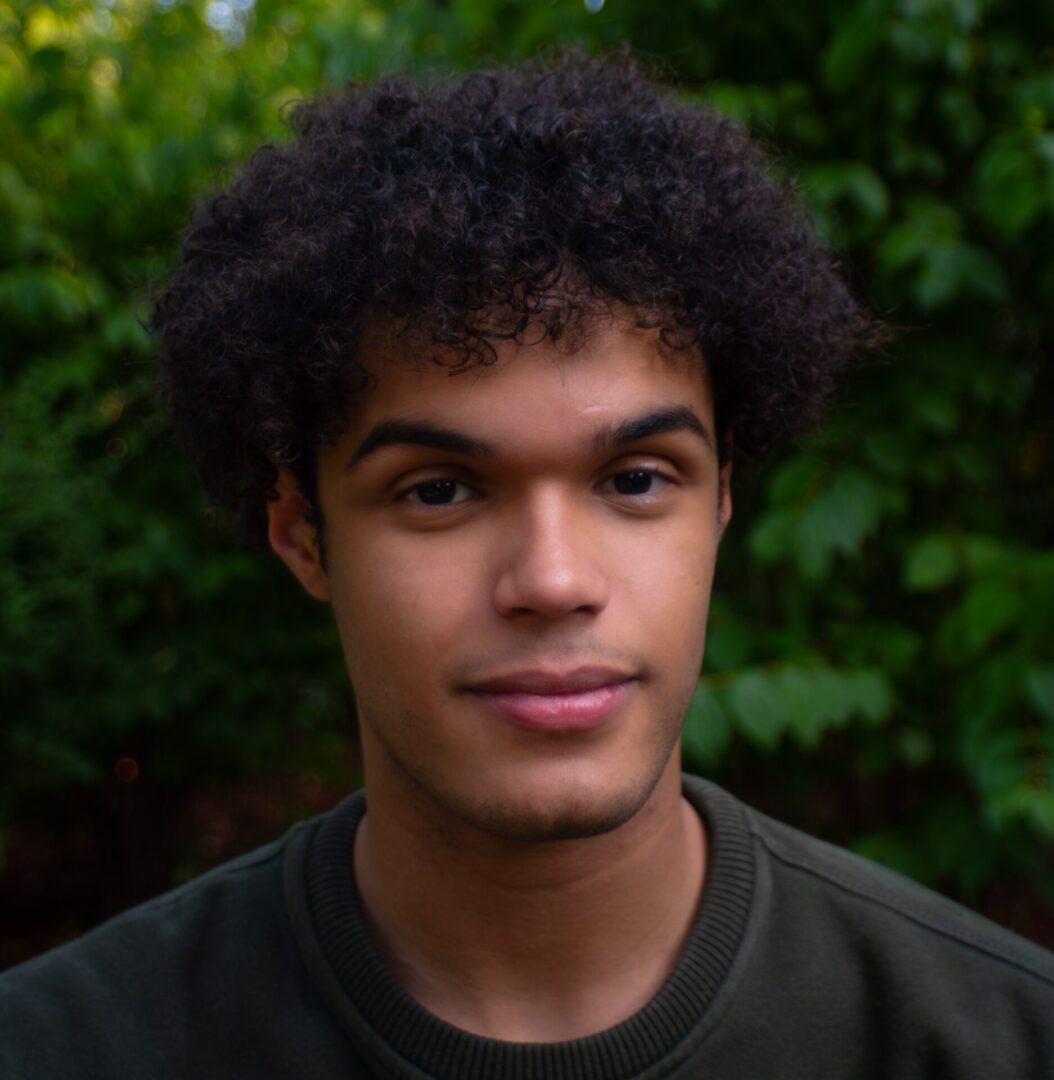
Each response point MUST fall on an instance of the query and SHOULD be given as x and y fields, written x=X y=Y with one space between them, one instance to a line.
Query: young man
x=475 y=357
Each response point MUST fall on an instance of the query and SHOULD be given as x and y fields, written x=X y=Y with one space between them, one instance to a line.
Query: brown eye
x=634 y=482
x=439 y=492
x=643 y=484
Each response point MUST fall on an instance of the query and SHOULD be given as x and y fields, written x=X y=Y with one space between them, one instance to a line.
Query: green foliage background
x=880 y=667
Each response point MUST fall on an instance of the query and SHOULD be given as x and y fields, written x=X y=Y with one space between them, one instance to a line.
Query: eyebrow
x=661 y=421
x=420 y=433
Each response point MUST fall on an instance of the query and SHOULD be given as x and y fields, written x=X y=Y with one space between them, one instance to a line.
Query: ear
x=724 y=488
x=293 y=538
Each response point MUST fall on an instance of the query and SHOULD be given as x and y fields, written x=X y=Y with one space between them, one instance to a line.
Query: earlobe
x=293 y=538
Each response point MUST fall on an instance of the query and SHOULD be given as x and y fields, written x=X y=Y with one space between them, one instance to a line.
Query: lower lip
x=581 y=710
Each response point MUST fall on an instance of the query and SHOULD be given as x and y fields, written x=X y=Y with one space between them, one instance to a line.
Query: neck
x=528 y=941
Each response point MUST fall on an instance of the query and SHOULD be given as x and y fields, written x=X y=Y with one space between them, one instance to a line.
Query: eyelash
x=407 y=496
x=654 y=473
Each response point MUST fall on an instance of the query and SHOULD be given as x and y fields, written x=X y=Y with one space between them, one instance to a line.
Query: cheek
x=667 y=599
x=670 y=572
x=397 y=609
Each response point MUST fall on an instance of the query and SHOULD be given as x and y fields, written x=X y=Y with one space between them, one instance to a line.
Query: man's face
x=520 y=561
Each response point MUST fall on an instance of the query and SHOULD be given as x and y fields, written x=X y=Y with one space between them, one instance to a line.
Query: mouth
x=569 y=701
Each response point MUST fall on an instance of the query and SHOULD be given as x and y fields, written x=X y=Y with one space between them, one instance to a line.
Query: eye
x=440 y=492
x=635 y=482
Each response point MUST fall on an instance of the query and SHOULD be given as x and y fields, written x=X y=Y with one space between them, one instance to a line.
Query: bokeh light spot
x=105 y=73
x=219 y=15
x=126 y=769
x=110 y=408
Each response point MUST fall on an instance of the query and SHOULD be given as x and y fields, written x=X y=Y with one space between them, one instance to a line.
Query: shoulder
x=138 y=984
x=891 y=907
x=905 y=982
x=166 y=920
x=849 y=969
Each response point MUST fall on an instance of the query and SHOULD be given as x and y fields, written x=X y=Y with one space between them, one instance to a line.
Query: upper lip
x=548 y=681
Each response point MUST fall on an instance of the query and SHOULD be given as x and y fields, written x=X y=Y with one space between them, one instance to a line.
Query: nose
x=550 y=566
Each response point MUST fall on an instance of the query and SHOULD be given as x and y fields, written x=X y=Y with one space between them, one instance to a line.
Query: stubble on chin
x=568 y=813
x=576 y=819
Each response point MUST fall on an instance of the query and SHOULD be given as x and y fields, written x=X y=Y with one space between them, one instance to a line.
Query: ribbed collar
x=402 y=1039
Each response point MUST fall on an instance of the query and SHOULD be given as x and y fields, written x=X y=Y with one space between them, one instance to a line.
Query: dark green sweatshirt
x=805 y=962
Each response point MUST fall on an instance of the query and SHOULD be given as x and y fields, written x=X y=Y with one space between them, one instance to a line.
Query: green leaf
x=956 y=269
x=797 y=479
x=985 y=553
x=728 y=640
x=990 y=607
x=889 y=451
x=931 y=563
x=1039 y=683
x=37 y=294
x=874 y=695
x=916 y=746
x=837 y=522
x=770 y=539
x=1042 y=813
x=858 y=39
x=1009 y=187
x=852 y=182
x=806 y=718
x=706 y=731
x=758 y=708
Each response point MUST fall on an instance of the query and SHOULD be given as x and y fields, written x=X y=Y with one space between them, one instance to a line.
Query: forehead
x=545 y=389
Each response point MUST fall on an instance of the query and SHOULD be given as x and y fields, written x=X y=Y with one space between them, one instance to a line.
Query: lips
x=557 y=701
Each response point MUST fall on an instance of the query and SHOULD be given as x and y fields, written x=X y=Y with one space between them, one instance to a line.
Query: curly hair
x=467 y=209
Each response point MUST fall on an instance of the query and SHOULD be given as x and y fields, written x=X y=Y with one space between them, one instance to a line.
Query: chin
x=525 y=796
x=558 y=813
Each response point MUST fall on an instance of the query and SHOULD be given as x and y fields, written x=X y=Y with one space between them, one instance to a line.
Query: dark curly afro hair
x=480 y=207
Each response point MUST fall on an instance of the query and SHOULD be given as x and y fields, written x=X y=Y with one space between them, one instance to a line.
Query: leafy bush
x=880 y=666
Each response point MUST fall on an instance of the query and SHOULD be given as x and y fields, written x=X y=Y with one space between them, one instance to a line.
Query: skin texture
x=532 y=885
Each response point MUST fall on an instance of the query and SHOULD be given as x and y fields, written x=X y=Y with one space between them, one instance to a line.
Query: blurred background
x=880 y=667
